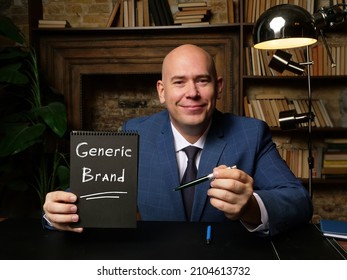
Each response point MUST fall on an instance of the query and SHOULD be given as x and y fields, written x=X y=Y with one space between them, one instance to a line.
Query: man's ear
x=160 y=90
x=220 y=85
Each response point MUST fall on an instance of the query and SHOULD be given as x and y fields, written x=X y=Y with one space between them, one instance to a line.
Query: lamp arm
x=325 y=43
x=330 y=16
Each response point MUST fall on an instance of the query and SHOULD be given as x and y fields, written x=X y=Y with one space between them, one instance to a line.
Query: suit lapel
x=168 y=162
x=210 y=158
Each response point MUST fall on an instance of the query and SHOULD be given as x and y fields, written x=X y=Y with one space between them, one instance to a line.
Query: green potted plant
x=32 y=120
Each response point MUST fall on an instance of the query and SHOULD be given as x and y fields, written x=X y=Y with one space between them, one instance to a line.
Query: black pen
x=208 y=177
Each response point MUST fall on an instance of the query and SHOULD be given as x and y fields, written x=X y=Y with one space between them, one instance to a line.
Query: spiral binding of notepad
x=105 y=132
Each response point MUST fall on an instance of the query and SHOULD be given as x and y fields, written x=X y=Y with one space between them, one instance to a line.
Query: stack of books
x=335 y=158
x=193 y=13
x=53 y=23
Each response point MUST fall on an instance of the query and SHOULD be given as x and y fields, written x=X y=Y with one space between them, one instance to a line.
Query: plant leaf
x=54 y=115
x=10 y=30
x=11 y=54
x=18 y=137
x=63 y=173
x=11 y=75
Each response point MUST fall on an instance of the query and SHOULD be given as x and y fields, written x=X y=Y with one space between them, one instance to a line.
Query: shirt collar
x=181 y=142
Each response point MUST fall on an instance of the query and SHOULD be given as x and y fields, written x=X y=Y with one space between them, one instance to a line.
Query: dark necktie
x=189 y=175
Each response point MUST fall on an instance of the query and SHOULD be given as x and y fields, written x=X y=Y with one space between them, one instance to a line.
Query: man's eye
x=178 y=82
x=203 y=81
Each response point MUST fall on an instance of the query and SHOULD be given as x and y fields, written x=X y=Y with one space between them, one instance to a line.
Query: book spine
x=154 y=12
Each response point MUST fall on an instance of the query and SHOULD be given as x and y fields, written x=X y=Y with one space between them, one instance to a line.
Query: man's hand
x=61 y=211
x=232 y=192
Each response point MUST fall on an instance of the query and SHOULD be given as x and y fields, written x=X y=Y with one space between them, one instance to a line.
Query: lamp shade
x=283 y=27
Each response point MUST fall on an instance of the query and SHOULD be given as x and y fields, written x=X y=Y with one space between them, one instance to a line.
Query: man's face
x=189 y=89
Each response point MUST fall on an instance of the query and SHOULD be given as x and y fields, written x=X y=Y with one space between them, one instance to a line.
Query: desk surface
x=26 y=239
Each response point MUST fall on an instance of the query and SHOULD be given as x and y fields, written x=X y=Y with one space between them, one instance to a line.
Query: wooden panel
x=66 y=54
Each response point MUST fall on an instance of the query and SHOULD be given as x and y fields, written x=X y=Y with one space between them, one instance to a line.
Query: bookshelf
x=231 y=42
x=257 y=79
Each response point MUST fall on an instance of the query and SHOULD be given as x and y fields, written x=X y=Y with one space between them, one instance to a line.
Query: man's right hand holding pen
x=232 y=192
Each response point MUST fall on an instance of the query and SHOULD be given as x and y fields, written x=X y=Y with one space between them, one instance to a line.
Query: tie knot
x=191 y=152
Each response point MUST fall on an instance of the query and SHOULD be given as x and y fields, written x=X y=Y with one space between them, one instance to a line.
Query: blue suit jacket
x=231 y=140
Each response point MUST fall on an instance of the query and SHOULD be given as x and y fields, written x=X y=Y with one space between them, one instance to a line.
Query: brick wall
x=109 y=100
x=17 y=10
x=80 y=13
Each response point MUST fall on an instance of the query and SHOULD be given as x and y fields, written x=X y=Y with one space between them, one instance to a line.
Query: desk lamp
x=289 y=26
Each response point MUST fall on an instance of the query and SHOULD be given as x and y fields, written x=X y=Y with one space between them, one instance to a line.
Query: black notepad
x=103 y=175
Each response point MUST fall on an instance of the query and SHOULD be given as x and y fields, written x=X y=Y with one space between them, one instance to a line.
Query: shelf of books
x=266 y=93
x=267 y=107
x=334 y=161
x=330 y=159
x=256 y=61
x=139 y=13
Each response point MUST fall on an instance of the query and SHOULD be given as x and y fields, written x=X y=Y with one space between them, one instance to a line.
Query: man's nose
x=192 y=90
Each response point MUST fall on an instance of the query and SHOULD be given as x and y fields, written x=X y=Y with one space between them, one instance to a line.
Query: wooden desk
x=26 y=239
